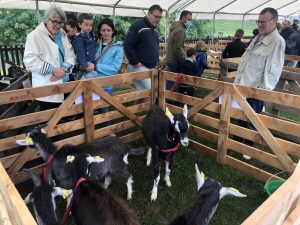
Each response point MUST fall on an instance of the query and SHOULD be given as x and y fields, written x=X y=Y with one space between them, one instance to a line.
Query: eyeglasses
x=55 y=22
x=263 y=21
x=157 y=17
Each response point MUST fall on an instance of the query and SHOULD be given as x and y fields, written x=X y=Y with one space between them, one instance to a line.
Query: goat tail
x=137 y=151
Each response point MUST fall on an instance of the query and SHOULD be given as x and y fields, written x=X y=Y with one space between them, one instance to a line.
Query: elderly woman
x=46 y=49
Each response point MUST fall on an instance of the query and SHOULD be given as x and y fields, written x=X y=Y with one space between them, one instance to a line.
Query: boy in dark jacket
x=188 y=67
x=84 y=44
x=201 y=58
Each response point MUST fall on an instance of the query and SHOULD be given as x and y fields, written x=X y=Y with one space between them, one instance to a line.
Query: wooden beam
x=265 y=133
x=88 y=111
x=206 y=100
x=4 y=218
x=224 y=124
x=293 y=218
x=116 y=104
x=162 y=89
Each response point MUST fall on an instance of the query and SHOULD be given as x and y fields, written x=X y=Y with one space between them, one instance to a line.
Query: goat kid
x=210 y=192
x=42 y=198
x=163 y=133
x=93 y=204
x=113 y=149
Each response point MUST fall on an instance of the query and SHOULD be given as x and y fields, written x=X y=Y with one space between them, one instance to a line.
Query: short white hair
x=54 y=11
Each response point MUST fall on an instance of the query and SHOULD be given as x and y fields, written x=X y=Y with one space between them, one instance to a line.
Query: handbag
x=79 y=75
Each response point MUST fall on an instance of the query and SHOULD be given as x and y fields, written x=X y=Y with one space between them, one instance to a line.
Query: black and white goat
x=92 y=203
x=113 y=149
x=210 y=192
x=42 y=198
x=164 y=132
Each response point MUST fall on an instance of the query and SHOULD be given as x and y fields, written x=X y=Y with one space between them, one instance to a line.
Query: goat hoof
x=148 y=164
x=129 y=198
x=153 y=197
x=168 y=183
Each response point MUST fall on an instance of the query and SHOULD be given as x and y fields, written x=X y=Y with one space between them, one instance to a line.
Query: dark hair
x=84 y=16
x=185 y=13
x=273 y=12
x=190 y=52
x=73 y=24
x=71 y=17
x=239 y=33
x=108 y=22
x=255 y=31
x=154 y=8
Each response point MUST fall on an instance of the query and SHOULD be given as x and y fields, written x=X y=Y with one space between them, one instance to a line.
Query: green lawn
x=228 y=27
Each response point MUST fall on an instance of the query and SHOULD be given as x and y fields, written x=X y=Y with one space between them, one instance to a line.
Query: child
x=84 y=44
x=188 y=67
x=201 y=58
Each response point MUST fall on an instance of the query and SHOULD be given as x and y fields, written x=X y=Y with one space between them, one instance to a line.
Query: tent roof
x=236 y=9
x=123 y=7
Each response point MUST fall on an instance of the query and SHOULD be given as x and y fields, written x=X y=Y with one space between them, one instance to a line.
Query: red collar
x=170 y=149
x=63 y=220
x=45 y=166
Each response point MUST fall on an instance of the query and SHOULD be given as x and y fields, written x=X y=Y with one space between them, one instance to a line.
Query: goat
x=92 y=203
x=163 y=133
x=42 y=198
x=114 y=149
x=210 y=192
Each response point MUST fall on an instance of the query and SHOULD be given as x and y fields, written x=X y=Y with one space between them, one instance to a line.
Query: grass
x=228 y=27
x=170 y=201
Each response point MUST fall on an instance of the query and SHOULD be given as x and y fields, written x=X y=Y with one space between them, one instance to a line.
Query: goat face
x=33 y=136
x=181 y=125
x=42 y=198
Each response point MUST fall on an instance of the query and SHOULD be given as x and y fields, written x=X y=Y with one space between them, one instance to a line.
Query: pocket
x=257 y=62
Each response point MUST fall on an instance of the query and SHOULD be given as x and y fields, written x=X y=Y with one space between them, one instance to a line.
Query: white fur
x=167 y=176
x=125 y=158
x=149 y=157
x=154 y=189
x=129 y=188
x=107 y=180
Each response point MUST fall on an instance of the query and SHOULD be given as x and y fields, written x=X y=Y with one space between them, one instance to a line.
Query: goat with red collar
x=164 y=132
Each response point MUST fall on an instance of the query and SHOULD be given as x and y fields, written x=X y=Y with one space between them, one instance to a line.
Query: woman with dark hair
x=110 y=62
x=72 y=29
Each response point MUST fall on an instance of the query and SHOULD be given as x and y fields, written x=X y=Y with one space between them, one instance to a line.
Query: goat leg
x=149 y=157
x=156 y=181
x=167 y=176
x=107 y=180
x=129 y=187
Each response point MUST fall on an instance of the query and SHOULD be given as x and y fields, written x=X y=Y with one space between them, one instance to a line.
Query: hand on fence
x=53 y=78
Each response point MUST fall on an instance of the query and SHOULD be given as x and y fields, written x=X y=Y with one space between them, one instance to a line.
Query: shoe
x=246 y=157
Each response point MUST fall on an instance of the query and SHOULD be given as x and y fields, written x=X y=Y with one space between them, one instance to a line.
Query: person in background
x=72 y=29
x=71 y=16
x=261 y=64
x=279 y=27
x=175 y=49
x=201 y=58
x=295 y=25
x=188 y=67
x=255 y=32
x=84 y=44
x=46 y=50
x=292 y=47
x=286 y=30
x=141 y=46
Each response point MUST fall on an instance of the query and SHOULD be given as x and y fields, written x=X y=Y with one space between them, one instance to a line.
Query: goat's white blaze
x=107 y=180
x=154 y=189
x=149 y=157
x=200 y=177
x=129 y=188
x=167 y=176
x=230 y=191
x=185 y=111
x=125 y=158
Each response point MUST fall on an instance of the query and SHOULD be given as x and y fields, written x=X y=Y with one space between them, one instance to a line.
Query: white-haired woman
x=46 y=49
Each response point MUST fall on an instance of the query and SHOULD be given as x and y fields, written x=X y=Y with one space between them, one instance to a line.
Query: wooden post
x=88 y=111
x=223 y=70
x=162 y=89
x=224 y=124
x=153 y=82
x=280 y=85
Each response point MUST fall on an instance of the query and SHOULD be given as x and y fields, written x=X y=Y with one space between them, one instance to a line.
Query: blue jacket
x=85 y=48
x=110 y=62
x=142 y=43
x=201 y=62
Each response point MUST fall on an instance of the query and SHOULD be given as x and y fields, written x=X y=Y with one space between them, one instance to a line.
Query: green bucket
x=273 y=185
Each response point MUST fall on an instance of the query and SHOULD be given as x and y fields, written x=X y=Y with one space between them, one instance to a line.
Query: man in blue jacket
x=141 y=46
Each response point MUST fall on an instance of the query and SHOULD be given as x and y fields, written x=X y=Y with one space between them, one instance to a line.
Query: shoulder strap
x=106 y=49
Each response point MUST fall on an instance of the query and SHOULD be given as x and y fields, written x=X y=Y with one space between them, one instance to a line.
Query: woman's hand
x=91 y=67
x=58 y=73
x=138 y=65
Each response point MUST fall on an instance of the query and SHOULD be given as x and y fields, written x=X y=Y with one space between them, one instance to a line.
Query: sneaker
x=246 y=157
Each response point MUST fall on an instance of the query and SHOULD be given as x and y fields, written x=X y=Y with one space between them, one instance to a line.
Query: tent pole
x=213 y=28
x=38 y=12
x=114 y=15
x=167 y=22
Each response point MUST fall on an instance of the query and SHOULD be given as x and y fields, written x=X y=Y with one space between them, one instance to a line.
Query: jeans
x=257 y=106
x=105 y=109
x=175 y=68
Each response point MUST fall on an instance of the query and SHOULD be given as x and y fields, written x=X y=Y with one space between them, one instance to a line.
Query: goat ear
x=29 y=198
x=62 y=192
x=70 y=158
x=92 y=159
x=25 y=142
x=169 y=114
x=200 y=177
x=185 y=111
x=35 y=178
x=230 y=191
